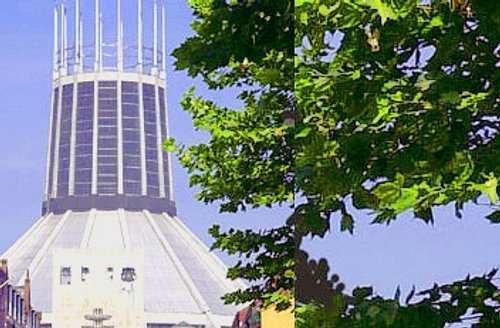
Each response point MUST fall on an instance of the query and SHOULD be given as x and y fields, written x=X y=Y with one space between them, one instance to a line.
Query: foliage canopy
x=390 y=106
x=399 y=104
x=249 y=159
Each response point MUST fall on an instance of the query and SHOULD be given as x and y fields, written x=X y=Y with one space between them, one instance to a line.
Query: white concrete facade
x=177 y=277
x=87 y=279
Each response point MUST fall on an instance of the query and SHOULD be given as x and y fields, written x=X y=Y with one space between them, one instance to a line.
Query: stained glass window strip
x=163 y=113
x=64 y=140
x=107 y=139
x=53 y=139
x=151 y=141
x=131 y=139
x=84 y=137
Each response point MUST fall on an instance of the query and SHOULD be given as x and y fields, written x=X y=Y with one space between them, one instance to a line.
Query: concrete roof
x=181 y=275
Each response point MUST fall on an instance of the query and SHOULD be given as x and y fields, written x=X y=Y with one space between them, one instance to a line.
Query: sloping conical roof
x=181 y=276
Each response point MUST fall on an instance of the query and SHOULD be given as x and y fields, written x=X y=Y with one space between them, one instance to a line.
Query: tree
x=399 y=106
x=392 y=104
x=249 y=159
x=435 y=307
x=405 y=114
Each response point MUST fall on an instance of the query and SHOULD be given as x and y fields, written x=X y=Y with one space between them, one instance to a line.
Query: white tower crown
x=109 y=113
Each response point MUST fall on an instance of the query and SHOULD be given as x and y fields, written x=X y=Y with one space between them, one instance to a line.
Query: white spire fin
x=56 y=38
x=80 y=50
x=64 y=41
x=77 y=37
x=139 y=36
x=155 y=35
x=96 y=35
x=101 y=44
x=163 y=39
x=119 y=43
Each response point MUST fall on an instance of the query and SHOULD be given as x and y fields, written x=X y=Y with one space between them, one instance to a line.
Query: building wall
x=15 y=310
x=90 y=279
x=274 y=319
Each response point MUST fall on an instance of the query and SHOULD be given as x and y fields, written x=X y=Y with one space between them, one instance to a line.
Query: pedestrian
x=241 y=318
x=248 y=317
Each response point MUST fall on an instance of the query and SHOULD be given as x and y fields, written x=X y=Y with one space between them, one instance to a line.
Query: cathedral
x=109 y=249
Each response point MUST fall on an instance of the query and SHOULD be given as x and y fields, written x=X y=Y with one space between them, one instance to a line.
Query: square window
x=85 y=273
x=110 y=273
x=65 y=276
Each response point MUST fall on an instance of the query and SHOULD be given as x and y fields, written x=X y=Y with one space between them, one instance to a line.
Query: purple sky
x=407 y=252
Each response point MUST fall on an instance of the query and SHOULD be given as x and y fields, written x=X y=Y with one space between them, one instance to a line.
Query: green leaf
x=423 y=83
x=452 y=97
x=436 y=21
x=299 y=3
x=494 y=217
x=347 y=223
x=304 y=132
x=362 y=292
x=425 y=214
x=489 y=188
x=373 y=311
x=384 y=10
x=408 y=199
x=470 y=101
x=387 y=192
x=169 y=145
x=324 y=10
x=304 y=18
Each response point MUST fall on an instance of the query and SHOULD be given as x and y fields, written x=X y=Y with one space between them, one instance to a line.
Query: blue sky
x=407 y=252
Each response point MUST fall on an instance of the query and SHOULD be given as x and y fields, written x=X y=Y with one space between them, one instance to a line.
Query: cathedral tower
x=109 y=116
